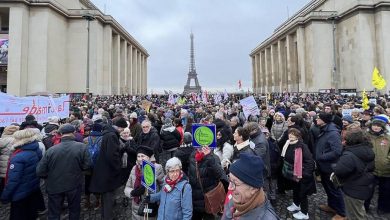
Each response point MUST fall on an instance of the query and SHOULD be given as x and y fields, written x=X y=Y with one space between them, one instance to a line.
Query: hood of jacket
x=26 y=136
x=362 y=151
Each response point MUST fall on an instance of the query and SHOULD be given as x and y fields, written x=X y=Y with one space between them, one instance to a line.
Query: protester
x=380 y=140
x=328 y=151
x=298 y=168
x=242 y=145
x=170 y=141
x=354 y=173
x=135 y=126
x=62 y=168
x=249 y=201
x=134 y=189
x=176 y=195
x=184 y=152
x=6 y=149
x=224 y=149
x=22 y=183
x=149 y=137
x=106 y=178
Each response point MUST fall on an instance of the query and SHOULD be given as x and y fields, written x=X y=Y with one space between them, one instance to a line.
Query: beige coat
x=130 y=186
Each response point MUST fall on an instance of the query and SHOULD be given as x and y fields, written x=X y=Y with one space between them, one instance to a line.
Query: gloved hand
x=147 y=199
x=139 y=191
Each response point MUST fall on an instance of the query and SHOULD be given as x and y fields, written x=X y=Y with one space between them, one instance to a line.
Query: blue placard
x=204 y=134
x=149 y=176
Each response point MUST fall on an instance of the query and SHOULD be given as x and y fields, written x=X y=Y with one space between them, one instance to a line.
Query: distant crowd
x=294 y=142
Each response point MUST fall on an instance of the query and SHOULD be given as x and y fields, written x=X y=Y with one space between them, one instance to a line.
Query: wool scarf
x=255 y=201
x=199 y=155
x=172 y=183
x=137 y=182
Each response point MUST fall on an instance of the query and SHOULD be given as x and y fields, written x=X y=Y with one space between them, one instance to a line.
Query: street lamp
x=89 y=17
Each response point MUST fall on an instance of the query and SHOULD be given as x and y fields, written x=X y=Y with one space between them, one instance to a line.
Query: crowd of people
x=295 y=141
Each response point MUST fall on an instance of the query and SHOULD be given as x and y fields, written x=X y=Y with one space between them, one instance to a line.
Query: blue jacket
x=22 y=178
x=328 y=148
x=175 y=205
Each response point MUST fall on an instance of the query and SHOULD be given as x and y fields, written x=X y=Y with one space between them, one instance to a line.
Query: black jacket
x=307 y=184
x=151 y=139
x=210 y=172
x=261 y=149
x=328 y=148
x=107 y=171
x=63 y=165
x=170 y=138
x=355 y=170
x=184 y=153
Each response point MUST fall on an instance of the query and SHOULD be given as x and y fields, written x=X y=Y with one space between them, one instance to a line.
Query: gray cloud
x=225 y=33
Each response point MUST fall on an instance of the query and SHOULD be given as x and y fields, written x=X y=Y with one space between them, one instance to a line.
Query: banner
x=14 y=109
x=249 y=106
x=3 y=51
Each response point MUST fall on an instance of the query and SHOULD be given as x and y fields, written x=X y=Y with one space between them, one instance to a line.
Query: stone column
x=134 y=72
x=107 y=60
x=139 y=76
x=253 y=73
x=129 y=79
x=263 y=72
x=275 y=67
x=115 y=64
x=258 y=73
x=301 y=47
x=291 y=74
x=18 y=51
x=282 y=64
x=123 y=67
x=268 y=69
x=145 y=75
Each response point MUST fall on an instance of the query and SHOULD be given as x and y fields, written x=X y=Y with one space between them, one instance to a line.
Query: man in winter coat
x=62 y=166
x=5 y=151
x=170 y=141
x=149 y=137
x=327 y=152
x=106 y=178
x=259 y=144
x=248 y=200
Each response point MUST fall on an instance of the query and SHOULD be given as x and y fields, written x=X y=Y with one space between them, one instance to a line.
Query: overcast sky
x=225 y=33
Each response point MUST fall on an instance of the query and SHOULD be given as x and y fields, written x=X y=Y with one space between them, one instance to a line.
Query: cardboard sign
x=204 y=135
x=249 y=106
x=149 y=176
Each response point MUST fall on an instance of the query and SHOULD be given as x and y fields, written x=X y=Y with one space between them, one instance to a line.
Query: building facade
x=328 y=44
x=48 y=50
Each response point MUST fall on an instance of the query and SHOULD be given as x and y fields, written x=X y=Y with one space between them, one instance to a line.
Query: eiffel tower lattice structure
x=192 y=75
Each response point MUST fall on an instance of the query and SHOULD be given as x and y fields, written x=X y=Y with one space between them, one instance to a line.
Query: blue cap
x=249 y=169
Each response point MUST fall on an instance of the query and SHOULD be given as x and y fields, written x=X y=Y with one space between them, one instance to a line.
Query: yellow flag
x=365 y=100
x=377 y=79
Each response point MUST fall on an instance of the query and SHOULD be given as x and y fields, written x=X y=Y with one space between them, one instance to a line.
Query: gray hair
x=171 y=163
x=219 y=115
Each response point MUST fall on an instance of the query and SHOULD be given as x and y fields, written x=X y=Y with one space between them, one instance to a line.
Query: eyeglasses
x=232 y=184
x=145 y=126
x=174 y=171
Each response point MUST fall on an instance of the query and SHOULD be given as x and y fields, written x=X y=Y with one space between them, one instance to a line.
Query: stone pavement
x=123 y=213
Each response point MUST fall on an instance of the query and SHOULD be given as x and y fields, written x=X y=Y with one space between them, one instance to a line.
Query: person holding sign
x=176 y=196
x=134 y=189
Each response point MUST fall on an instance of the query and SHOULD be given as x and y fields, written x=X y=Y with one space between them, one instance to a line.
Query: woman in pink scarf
x=299 y=168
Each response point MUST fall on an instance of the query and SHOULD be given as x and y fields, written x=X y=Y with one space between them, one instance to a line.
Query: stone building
x=328 y=44
x=48 y=50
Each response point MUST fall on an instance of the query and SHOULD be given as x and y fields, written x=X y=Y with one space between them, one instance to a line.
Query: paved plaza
x=123 y=212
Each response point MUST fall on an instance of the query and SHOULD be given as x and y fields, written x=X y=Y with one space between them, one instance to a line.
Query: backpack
x=94 y=149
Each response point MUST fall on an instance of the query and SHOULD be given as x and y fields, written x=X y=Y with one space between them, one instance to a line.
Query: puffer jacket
x=225 y=154
x=22 y=178
x=381 y=147
x=6 y=149
x=170 y=138
x=152 y=140
x=210 y=172
x=176 y=204
x=277 y=130
x=354 y=169
x=328 y=148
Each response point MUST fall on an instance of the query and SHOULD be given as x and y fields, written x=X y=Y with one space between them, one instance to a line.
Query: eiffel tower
x=192 y=75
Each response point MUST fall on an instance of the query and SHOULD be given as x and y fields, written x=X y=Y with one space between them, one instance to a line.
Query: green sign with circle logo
x=149 y=175
x=203 y=135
